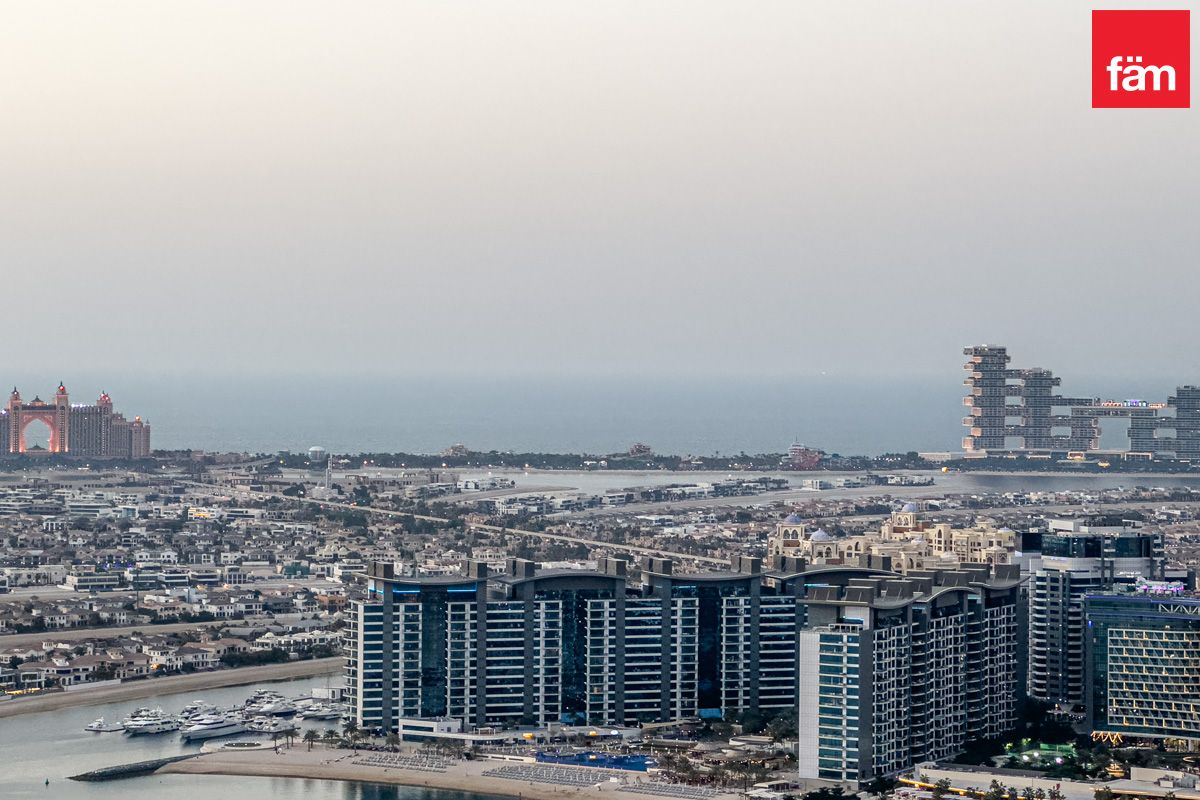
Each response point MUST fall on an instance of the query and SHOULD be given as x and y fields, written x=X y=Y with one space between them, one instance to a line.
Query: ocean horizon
x=426 y=414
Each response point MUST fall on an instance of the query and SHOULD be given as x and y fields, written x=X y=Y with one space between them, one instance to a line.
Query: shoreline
x=173 y=684
x=463 y=776
x=933 y=471
x=10 y=641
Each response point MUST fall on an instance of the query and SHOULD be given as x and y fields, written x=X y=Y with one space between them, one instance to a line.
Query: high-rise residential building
x=1143 y=662
x=897 y=670
x=89 y=431
x=1081 y=557
x=531 y=647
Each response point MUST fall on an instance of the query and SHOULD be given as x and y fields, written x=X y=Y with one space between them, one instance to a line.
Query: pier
x=129 y=770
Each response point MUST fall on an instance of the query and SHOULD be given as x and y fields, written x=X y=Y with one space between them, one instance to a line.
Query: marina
x=52 y=746
x=265 y=712
x=45 y=751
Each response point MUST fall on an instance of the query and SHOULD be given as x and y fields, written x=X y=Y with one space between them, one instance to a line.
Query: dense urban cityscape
x=652 y=400
x=802 y=624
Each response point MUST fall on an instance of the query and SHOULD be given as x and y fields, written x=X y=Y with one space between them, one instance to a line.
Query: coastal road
x=174 y=683
x=60 y=593
x=77 y=634
x=388 y=512
x=764 y=499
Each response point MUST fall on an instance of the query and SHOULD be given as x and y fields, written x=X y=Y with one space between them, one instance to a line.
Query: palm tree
x=349 y=729
x=311 y=736
x=330 y=736
x=353 y=735
x=393 y=740
x=275 y=740
x=742 y=769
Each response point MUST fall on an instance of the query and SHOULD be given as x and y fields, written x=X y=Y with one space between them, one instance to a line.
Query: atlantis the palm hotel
x=886 y=663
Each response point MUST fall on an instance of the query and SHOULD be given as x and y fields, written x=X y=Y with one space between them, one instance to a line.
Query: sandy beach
x=175 y=683
x=464 y=776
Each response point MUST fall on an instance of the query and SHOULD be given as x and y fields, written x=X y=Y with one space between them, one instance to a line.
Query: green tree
x=995 y=791
x=352 y=733
x=881 y=786
x=827 y=793
x=310 y=737
x=940 y=789
x=782 y=726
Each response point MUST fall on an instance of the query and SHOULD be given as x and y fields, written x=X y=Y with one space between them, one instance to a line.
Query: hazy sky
x=564 y=187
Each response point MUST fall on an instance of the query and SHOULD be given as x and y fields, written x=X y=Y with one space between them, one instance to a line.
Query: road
x=1060 y=508
x=510 y=491
x=14 y=640
x=913 y=492
x=60 y=593
x=764 y=499
x=554 y=537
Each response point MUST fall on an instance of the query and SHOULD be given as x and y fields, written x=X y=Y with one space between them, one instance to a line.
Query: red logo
x=1141 y=59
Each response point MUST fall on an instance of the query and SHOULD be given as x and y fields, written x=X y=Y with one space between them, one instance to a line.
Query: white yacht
x=143 y=713
x=151 y=724
x=270 y=725
x=196 y=709
x=100 y=726
x=212 y=726
x=278 y=708
x=321 y=711
x=271 y=704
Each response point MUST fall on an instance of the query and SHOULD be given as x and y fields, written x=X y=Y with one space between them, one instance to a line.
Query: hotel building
x=1143 y=663
x=1017 y=410
x=85 y=430
x=1078 y=558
